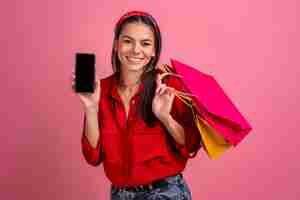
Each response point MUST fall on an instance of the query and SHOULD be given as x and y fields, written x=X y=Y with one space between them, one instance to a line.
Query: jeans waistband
x=156 y=184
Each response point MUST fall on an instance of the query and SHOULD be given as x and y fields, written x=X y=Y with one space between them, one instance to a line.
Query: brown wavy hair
x=149 y=73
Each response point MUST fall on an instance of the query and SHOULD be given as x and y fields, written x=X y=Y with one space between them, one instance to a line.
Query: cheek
x=122 y=53
x=151 y=52
x=123 y=49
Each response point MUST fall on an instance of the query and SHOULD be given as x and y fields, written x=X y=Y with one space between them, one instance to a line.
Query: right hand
x=90 y=101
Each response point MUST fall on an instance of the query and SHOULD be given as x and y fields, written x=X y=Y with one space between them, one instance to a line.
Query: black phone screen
x=85 y=72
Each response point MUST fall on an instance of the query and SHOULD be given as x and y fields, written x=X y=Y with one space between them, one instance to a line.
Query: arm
x=175 y=129
x=91 y=145
x=181 y=124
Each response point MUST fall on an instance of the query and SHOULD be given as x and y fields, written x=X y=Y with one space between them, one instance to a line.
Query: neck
x=130 y=79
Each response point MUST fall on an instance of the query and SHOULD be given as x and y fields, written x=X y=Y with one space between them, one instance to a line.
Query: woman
x=133 y=122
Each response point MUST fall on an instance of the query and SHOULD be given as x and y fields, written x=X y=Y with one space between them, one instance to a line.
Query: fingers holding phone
x=85 y=83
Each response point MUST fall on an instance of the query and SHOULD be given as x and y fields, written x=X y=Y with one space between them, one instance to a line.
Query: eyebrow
x=144 y=40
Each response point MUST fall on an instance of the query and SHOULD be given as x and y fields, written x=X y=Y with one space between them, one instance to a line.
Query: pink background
x=250 y=46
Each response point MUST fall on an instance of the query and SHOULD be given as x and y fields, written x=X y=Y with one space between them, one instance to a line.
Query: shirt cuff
x=91 y=154
x=190 y=149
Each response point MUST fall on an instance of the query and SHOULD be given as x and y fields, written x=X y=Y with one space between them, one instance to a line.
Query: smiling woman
x=133 y=122
x=135 y=47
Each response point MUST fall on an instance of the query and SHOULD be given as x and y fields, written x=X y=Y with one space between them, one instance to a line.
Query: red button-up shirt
x=133 y=153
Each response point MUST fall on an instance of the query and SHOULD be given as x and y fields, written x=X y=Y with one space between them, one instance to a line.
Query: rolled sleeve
x=183 y=115
x=93 y=155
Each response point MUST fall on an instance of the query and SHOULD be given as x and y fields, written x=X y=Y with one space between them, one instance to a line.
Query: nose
x=136 y=49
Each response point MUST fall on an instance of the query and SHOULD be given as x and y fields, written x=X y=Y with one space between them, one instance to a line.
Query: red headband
x=133 y=13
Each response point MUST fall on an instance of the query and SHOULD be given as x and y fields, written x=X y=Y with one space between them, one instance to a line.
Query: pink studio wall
x=251 y=47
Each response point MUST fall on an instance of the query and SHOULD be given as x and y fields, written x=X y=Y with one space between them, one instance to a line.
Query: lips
x=134 y=59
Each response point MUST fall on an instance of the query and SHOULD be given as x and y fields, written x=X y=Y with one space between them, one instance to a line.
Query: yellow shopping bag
x=214 y=144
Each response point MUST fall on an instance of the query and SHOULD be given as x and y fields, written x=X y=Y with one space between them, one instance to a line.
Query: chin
x=136 y=67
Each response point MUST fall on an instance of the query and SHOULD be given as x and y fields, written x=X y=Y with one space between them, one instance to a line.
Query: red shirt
x=133 y=153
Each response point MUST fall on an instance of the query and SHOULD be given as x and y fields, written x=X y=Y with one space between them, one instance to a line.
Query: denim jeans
x=174 y=189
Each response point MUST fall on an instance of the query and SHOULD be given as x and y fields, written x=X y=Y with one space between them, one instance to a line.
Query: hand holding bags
x=219 y=122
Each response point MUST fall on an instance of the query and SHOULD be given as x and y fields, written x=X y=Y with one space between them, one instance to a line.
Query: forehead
x=137 y=30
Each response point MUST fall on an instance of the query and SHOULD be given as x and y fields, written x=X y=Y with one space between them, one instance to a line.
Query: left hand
x=163 y=100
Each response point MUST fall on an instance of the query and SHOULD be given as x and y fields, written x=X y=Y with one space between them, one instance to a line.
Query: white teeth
x=134 y=59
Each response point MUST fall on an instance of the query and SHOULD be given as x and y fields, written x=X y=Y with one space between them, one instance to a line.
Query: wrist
x=91 y=110
x=166 y=120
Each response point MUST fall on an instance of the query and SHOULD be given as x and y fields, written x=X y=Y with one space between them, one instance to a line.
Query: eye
x=146 y=44
x=126 y=41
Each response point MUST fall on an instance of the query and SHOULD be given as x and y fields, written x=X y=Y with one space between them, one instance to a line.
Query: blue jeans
x=174 y=189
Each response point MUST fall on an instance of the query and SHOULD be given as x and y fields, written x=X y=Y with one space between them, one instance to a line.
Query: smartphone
x=85 y=72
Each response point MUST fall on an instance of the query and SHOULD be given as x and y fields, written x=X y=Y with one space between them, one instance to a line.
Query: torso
x=126 y=97
x=132 y=150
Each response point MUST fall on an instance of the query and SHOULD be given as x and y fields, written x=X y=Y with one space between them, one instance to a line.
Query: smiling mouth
x=134 y=60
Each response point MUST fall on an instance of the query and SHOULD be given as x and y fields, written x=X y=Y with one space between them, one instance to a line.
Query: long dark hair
x=149 y=74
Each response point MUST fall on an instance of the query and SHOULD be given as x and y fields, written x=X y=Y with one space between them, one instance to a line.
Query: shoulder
x=174 y=82
x=107 y=79
x=106 y=83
